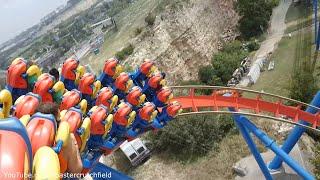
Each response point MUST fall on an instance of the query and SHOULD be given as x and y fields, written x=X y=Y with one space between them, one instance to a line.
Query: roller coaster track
x=244 y=102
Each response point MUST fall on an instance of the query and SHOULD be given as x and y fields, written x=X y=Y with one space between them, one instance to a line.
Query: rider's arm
x=72 y=155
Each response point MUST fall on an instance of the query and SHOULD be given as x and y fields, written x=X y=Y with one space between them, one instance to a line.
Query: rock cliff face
x=185 y=37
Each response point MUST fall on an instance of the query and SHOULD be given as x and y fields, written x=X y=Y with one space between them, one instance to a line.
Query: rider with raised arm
x=70 y=160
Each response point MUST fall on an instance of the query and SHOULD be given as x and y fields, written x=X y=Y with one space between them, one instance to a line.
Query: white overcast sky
x=18 y=15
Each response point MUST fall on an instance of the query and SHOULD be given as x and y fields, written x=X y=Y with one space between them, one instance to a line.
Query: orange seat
x=42 y=87
x=68 y=69
x=97 y=117
x=27 y=106
x=86 y=83
x=110 y=67
x=104 y=96
x=41 y=130
x=70 y=99
x=74 y=118
x=15 y=149
x=15 y=77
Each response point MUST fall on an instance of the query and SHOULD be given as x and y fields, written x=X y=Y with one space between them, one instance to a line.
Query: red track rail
x=257 y=105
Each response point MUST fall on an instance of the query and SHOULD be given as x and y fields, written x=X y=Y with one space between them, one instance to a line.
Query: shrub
x=299 y=81
x=192 y=136
x=206 y=74
x=138 y=31
x=150 y=19
x=227 y=61
x=125 y=52
x=253 y=46
x=274 y=3
x=232 y=47
x=223 y=64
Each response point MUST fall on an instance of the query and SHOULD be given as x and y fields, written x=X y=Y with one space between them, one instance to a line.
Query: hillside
x=74 y=10
x=183 y=37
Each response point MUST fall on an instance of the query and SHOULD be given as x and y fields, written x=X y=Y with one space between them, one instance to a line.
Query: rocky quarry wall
x=183 y=39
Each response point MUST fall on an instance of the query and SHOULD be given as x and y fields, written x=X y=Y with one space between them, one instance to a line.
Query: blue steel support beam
x=295 y=134
x=253 y=148
x=316 y=26
x=318 y=39
x=271 y=144
x=315 y=7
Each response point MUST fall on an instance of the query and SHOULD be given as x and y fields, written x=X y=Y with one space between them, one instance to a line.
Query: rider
x=55 y=73
x=20 y=78
x=70 y=160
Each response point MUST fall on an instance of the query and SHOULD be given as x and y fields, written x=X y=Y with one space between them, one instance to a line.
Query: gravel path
x=275 y=33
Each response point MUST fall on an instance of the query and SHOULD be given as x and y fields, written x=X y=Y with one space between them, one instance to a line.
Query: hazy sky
x=18 y=15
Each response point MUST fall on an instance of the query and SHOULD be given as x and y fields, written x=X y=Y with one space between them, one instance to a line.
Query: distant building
x=97 y=28
x=105 y=22
x=48 y=59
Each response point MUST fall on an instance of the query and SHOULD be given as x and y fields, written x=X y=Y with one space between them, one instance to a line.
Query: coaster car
x=101 y=122
x=80 y=128
x=142 y=73
x=143 y=120
x=89 y=87
x=135 y=97
x=73 y=99
x=15 y=149
x=26 y=105
x=106 y=97
x=48 y=89
x=167 y=114
x=20 y=76
x=43 y=132
x=111 y=71
x=71 y=72
x=16 y=160
x=122 y=120
x=163 y=97
x=41 y=129
x=153 y=84
x=122 y=85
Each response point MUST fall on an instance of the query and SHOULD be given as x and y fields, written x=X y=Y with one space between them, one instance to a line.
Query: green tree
x=227 y=61
x=255 y=15
x=192 y=136
x=206 y=74
x=303 y=86
x=223 y=64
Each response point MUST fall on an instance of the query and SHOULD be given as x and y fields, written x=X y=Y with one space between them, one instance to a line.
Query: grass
x=294 y=12
x=218 y=164
x=296 y=26
x=277 y=81
x=128 y=20
x=215 y=165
